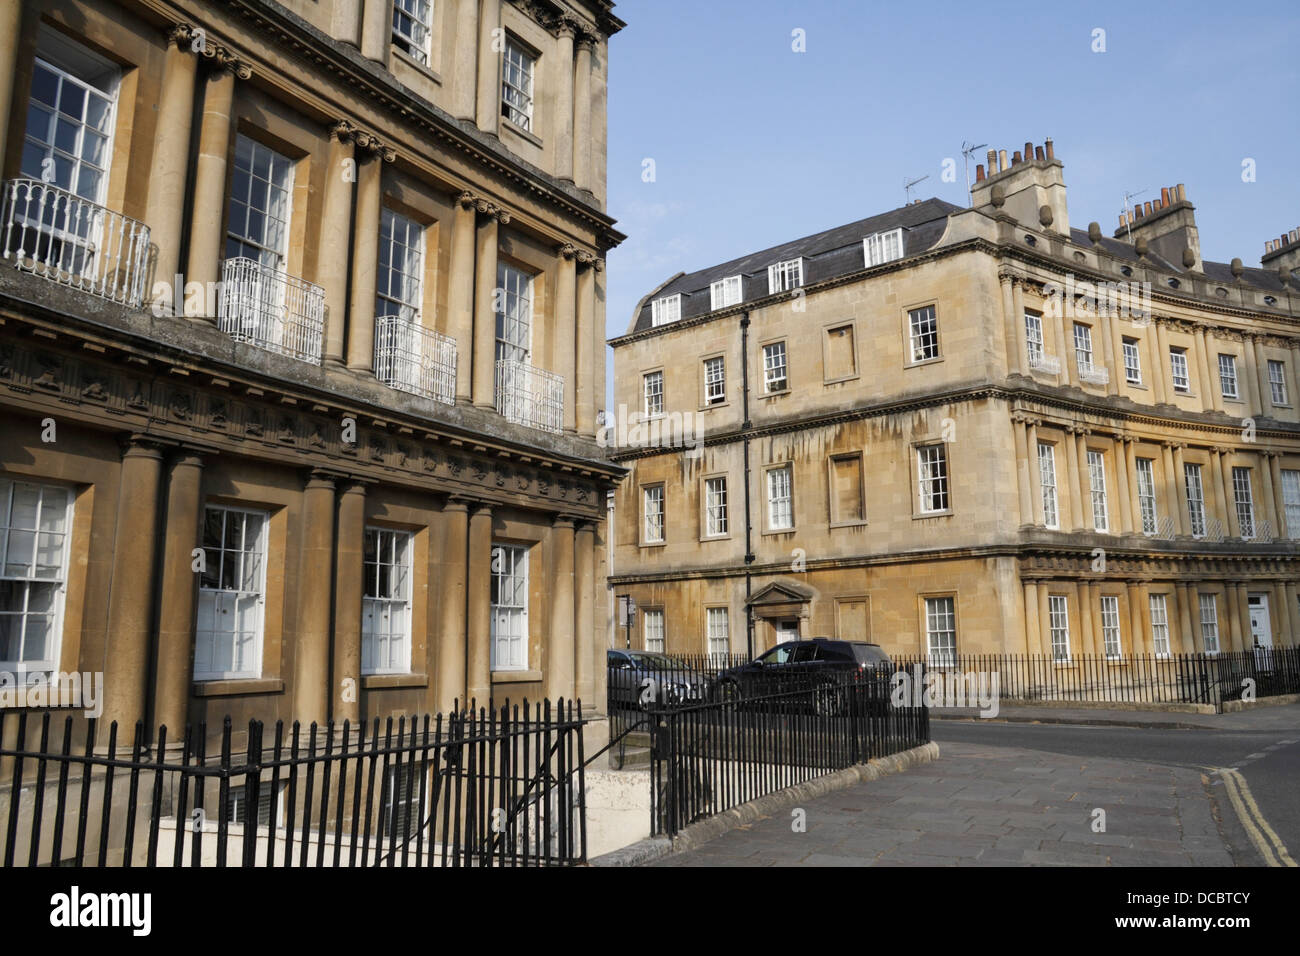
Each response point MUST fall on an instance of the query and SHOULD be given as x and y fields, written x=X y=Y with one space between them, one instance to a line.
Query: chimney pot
x=1180 y=192
x=1293 y=235
x=1148 y=207
x=1002 y=159
x=993 y=161
x=1137 y=211
x=979 y=172
x=1268 y=246
x=1015 y=158
x=1047 y=144
x=1038 y=153
x=1164 y=196
x=1121 y=219
x=1029 y=151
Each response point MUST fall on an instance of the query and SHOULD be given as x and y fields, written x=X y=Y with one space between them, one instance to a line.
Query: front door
x=787 y=631
x=1261 y=632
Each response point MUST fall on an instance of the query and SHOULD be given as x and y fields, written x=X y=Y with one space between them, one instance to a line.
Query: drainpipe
x=749 y=520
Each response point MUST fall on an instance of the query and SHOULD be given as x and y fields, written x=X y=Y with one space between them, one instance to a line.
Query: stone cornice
x=196 y=40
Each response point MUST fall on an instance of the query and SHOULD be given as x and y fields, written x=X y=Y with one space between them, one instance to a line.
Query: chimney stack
x=1167 y=226
x=1031 y=180
x=1283 y=253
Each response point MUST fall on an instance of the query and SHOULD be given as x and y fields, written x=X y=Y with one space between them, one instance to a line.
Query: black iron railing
x=487 y=787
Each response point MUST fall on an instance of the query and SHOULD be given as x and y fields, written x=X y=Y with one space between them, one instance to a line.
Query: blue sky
x=754 y=144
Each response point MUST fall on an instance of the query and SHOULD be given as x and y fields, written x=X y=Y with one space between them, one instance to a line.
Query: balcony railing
x=1047 y=364
x=1094 y=374
x=1257 y=530
x=528 y=395
x=415 y=359
x=271 y=309
x=59 y=236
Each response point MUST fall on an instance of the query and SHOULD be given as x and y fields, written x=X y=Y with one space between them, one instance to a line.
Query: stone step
x=633 y=758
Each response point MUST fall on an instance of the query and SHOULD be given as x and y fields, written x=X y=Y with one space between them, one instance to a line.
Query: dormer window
x=784 y=276
x=665 y=310
x=724 y=292
x=883 y=247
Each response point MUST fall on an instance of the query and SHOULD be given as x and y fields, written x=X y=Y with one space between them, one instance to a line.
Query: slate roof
x=826 y=254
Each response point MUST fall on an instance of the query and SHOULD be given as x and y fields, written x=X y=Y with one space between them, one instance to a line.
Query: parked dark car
x=630 y=672
x=829 y=669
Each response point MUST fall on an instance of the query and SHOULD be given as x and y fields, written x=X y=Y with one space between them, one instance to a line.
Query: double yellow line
x=1266 y=841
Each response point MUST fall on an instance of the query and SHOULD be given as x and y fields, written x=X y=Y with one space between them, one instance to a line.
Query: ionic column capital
x=567 y=251
x=371 y=144
x=186 y=35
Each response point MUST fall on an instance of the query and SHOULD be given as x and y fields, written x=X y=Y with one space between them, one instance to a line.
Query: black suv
x=796 y=665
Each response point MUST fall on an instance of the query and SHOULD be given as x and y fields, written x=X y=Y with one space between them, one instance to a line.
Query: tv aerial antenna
x=968 y=150
x=907 y=187
x=1128 y=220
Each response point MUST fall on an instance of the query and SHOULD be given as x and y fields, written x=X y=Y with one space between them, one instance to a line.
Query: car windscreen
x=780 y=654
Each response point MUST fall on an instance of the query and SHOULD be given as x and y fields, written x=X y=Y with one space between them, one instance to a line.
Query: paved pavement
x=1027 y=794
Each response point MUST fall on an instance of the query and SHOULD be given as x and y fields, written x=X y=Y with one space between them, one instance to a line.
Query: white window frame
x=666 y=309
x=514 y=317
x=404 y=240
x=1033 y=338
x=715 y=386
x=717 y=632
x=776 y=358
x=882 y=247
x=1146 y=489
x=1243 y=499
x=716 y=518
x=1083 y=347
x=1209 y=606
x=386 y=618
x=220 y=598
x=653 y=499
x=518 y=75
x=941 y=630
x=1132 y=361
x=1277 y=382
x=780 y=497
x=1111 y=635
x=413 y=28
x=653 y=635
x=509 y=637
x=266 y=247
x=1058 y=620
x=932 y=478
x=652 y=392
x=923 y=333
x=36 y=575
x=1178 y=369
x=1291 y=501
x=1047 y=484
x=785 y=275
x=1097 y=488
x=1228 y=376
x=726 y=292
x=1159 y=606
x=1195 y=486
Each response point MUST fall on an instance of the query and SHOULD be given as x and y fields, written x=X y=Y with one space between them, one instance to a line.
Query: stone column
x=208 y=216
x=479 y=600
x=584 y=574
x=565 y=30
x=1179 y=506
x=1232 y=614
x=1251 y=395
x=1035 y=476
x=1093 y=598
x=589 y=356
x=1022 y=471
x=1186 y=611
x=1161 y=374
x=490 y=53
x=1272 y=510
x=582 y=113
x=315 y=574
x=130 y=599
x=1261 y=369
x=1243 y=612
x=1045 y=620
x=1033 y=626
x=1292 y=595
x=377 y=30
x=464 y=74
x=1215 y=398
x=565 y=329
x=345 y=25
x=11 y=21
x=348 y=579
x=1009 y=340
x=1135 y=615
x=1221 y=503
x=560 y=640
x=1074 y=484
x=1192 y=598
x=1083 y=479
x=365 y=264
x=1083 y=598
x=335 y=234
x=485 y=316
x=451 y=654
x=1114 y=354
x=1018 y=317
x=1065 y=351
x=179 y=592
x=1278 y=617
x=1171 y=487
x=1118 y=373
x=165 y=205
x=1203 y=369
x=1130 y=465
x=1122 y=483
x=1231 y=526
x=460 y=288
x=1274 y=459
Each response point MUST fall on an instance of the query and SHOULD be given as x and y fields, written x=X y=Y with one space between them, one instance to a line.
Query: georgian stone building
x=968 y=430
x=299 y=365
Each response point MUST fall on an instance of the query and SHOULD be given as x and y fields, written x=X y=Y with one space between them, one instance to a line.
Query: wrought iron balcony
x=415 y=359
x=271 y=309
x=59 y=236
x=1047 y=364
x=1094 y=374
x=1257 y=530
x=528 y=395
